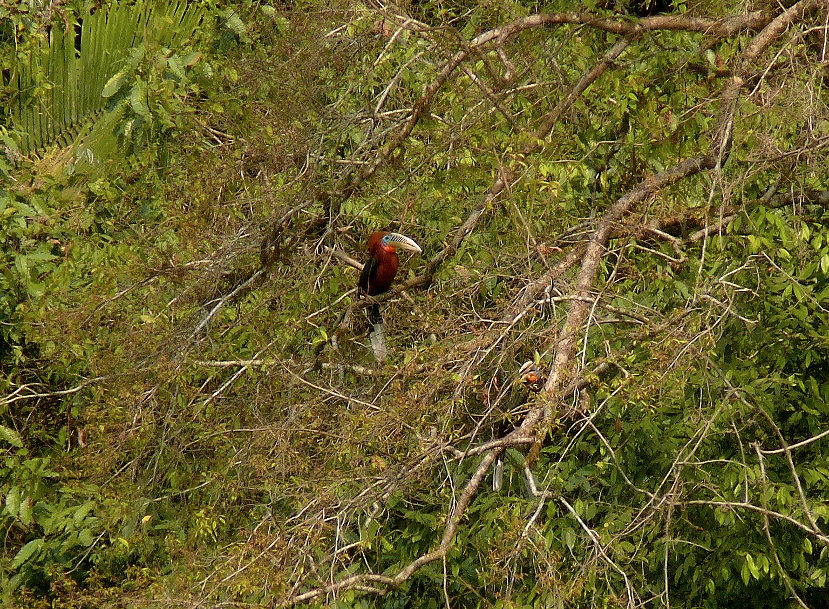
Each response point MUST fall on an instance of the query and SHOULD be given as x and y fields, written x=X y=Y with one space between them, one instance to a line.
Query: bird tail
x=378 y=340
x=498 y=473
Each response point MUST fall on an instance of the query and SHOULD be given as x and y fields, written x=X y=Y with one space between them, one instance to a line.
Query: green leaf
x=752 y=566
x=235 y=24
x=26 y=552
x=82 y=512
x=176 y=67
x=113 y=85
x=138 y=101
x=10 y=436
x=569 y=537
x=85 y=537
x=627 y=547
x=26 y=516
x=13 y=502
x=282 y=24
x=191 y=59
x=36 y=289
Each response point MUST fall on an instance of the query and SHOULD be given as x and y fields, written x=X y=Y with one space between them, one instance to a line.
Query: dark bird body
x=379 y=271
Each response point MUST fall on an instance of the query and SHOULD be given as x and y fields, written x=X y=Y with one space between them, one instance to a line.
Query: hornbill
x=529 y=381
x=378 y=273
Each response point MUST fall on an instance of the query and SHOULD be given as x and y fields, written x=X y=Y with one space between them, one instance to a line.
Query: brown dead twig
x=562 y=370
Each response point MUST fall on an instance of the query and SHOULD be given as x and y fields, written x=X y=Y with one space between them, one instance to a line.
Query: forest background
x=631 y=194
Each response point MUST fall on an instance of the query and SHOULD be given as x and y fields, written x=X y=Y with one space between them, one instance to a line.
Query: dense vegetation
x=634 y=196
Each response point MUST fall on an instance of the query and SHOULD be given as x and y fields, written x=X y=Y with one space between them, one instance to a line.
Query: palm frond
x=59 y=84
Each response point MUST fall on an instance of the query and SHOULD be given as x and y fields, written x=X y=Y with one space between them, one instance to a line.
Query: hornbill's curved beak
x=404 y=243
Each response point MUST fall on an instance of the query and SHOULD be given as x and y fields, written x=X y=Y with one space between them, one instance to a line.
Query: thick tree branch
x=449 y=531
x=503 y=176
x=563 y=365
x=499 y=36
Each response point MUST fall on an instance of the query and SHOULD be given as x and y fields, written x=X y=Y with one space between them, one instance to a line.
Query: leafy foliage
x=188 y=410
x=63 y=76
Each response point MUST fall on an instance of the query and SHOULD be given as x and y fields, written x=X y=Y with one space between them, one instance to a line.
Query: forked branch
x=563 y=365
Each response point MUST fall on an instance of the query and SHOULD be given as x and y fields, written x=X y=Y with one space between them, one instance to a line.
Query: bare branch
x=437 y=554
x=741 y=505
x=563 y=366
x=564 y=359
x=580 y=87
x=796 y=445
x=499 y=36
